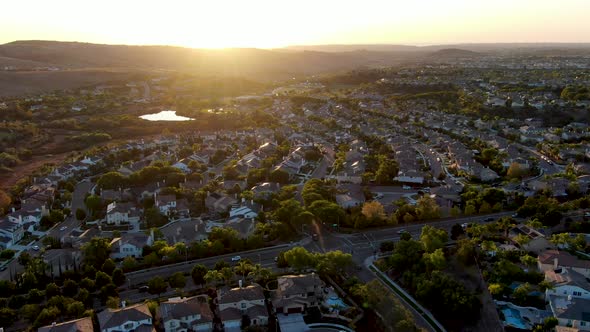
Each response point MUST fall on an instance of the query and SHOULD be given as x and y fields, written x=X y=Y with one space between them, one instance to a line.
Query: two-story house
x=166 y=204
x=122 y=214
x=236 y=303
x=136 y=318
x=130 y=245
x=296 y=293
x=187 y=314
x=10 y=233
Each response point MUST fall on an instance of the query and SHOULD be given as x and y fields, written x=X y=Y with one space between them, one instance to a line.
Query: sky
x=279 y=23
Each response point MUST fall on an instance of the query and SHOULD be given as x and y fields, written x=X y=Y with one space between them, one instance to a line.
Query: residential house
x=296 y=293
x=122 y=214
x=571 y=312
x=130 y=245
x=219 y=203
x=187 y=314
x=10 y=233
x=77 y=325
x=346 y=201
x=265 y=189
x=247 y=210
x=242 y=301
x=136 y=318
x=165 y=203
x=551 y=260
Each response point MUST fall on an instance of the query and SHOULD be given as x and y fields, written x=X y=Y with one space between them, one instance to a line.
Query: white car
x=401 y=231
x=63 y=228
x=407 y=187
x=236 y=259
x=36 y=248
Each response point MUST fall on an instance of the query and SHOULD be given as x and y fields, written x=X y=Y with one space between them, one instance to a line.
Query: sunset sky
x=277 y=23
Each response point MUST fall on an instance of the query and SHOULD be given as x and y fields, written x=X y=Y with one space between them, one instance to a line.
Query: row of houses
x=229 y=311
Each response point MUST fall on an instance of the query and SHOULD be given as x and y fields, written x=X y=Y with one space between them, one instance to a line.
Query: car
x=464 y=225
x=378 y=196
x=276 y=258
x=314 y=236
x=402 y=231
x=236 y=259
x=515 y=215
x=36 y=248
x=3 y=268
x=587 y=214
x=63 y=228
x=406 y=187
x=144 y=289
x=488 y=219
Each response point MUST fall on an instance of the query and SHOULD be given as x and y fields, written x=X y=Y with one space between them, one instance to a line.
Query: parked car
x=488 y=219
x=236 y=259
x=144 y=289
x=36 y=248
x=406 y=187
x=63 y=228
x=402 y=231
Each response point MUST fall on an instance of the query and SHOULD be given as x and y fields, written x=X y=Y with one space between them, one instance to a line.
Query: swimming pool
x=335 y=302
x=513 y=318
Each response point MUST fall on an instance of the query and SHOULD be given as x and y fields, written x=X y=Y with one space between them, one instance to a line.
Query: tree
x=334 y=262
x=5 y=201
x=279 y=176
x=522 y=292
x=93 y=203
x=157 y=285
x=51 y=290
x=466 y=251
x=496 y=289
x=97 y=251
x=177 y=280
x=108 y=266
x=80 y=214
x=427 y=208
x=24 y=258
x=259 y=273
x=528 y=260
x=433 y=238
x=328 y=212
x=113 y=302
x=30 y=312
x=243 y=268
x=118 y=277
x=111 y=180
x=87 y=284
x=227 y=274
x=75 y=309
x=102 y=279
x=373 y=210
x=299 y=258
x=153 y=217
x=213 y=277
x=198 y=274
x=70 y=288
x=435 y=260
x=387 y=246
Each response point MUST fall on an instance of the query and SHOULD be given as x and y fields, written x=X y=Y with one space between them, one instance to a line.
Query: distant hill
x=453 y=53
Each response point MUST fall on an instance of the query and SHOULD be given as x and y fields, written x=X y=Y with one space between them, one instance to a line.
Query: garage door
x=294 y=310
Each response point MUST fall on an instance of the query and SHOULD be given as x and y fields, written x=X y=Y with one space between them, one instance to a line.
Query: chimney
x=555 y=264
x=252 y=202
x=123 y=304
x=13 y=209
x=243 y=200
x=240 y=283
x=53 y=323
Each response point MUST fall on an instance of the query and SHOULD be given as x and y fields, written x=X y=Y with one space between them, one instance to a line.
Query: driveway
x=291 y=323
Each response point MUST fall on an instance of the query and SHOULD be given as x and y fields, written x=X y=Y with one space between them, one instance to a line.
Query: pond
x=164 y=116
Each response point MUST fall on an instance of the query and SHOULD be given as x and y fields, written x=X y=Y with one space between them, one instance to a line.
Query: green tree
x=157 y=285
x=177 y=280
x=111 y=180
x=118 y=277
x=334 y=262
x=279 y=176
x=435 y=260
x=198 y=274
x=213 y=277
x=427 y=208
x=433 y=238
x=299 y=258
x=93 y=203
x=70 y=288
x=96 y=252
x=80 y=214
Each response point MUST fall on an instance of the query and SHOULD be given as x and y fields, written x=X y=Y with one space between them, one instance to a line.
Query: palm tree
x=260 y=273
x=213 y=276
x=243 y=268
x=505 y=224
x=227 y=274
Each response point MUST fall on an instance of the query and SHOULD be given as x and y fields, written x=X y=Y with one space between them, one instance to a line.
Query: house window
x=128 y=326
x=577 y=293
x=582 y=323
x=243 y=305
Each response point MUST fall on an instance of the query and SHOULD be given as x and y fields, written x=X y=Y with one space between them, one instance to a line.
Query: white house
x=136 y=318
x=166 y=203
x=242 y=301
x=10 y=233
x=187 y=314
x=121 y=214
x=130 y=245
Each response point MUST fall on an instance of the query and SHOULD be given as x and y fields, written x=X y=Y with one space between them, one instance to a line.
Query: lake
x=164 y=116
